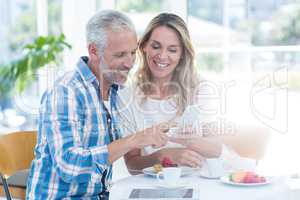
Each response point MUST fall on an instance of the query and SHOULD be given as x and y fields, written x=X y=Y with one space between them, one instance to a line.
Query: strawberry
x=167 y=162
x=251 y=177
x=246 y=177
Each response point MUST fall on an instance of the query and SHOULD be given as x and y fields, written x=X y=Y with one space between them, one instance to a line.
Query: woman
x=165 y=84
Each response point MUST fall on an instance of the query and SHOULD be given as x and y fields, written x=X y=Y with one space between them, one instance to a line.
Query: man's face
x=118 y=56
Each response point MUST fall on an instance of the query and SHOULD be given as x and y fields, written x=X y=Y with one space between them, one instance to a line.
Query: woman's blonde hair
x=185 y=75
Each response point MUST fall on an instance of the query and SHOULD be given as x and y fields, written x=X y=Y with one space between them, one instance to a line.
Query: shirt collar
x=88 y=75
x=84 y=70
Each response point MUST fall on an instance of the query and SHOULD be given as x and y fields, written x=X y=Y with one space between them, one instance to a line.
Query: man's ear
x=93 y=51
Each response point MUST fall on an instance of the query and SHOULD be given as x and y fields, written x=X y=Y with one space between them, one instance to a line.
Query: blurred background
x=249 y=50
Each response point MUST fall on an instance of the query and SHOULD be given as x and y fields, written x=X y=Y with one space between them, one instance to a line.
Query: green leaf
x=19 y=73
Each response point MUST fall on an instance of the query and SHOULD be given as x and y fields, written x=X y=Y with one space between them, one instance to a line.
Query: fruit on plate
x=157 y=168
x=246 y=177
x=167 y=162
x=237 y=177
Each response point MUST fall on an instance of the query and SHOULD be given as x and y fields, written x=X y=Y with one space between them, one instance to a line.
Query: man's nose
x=130 y=59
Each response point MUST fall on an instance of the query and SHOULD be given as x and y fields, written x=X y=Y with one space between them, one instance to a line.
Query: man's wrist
x=133 y=141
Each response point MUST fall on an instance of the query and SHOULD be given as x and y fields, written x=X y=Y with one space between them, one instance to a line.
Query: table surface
x=209 y=189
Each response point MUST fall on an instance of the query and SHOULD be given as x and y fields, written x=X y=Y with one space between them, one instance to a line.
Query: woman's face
x=163 y=51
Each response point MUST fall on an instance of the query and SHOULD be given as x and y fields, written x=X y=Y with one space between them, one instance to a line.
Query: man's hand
x=154 y=136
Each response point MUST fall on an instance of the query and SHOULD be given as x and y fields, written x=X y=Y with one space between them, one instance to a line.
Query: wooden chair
x=16 y=154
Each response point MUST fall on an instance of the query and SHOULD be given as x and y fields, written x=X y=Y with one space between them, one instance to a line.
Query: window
x=245 y=28
x=18 y=27
x=20 y=21
x=253 y=46
x=55 y=17
x=142 y=11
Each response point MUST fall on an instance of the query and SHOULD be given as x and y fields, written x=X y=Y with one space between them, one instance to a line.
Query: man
x=78 y=134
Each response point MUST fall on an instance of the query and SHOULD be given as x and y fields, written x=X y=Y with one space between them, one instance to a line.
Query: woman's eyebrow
x=172 y=45
x=155 y=41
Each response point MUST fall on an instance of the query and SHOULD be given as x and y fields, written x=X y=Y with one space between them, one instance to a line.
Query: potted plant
x=19 y=73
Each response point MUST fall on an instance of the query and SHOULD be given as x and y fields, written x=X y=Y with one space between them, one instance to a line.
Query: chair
x=16 y=154
x=249 y=141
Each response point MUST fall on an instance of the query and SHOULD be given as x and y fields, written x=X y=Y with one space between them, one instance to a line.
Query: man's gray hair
x=101 y=22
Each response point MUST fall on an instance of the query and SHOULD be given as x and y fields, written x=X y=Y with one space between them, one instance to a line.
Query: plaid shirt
x=71 y=156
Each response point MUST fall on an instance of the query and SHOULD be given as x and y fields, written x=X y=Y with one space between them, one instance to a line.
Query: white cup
x=169 y=175
x=215 y=167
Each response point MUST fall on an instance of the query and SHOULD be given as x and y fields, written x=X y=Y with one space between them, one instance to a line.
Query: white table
x=209 y=189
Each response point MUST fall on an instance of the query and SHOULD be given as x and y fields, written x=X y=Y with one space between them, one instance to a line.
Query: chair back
x=249 y=141
x=16 y=151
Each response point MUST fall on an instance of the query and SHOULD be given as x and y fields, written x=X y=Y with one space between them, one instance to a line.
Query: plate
x=205 y=174
x=225 y=179
x=185 y=171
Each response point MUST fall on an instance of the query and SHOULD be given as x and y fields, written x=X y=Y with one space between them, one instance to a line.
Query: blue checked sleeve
x=63 y=118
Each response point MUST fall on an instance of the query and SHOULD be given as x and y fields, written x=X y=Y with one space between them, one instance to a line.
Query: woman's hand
x=206 y=146
x=181 y=156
